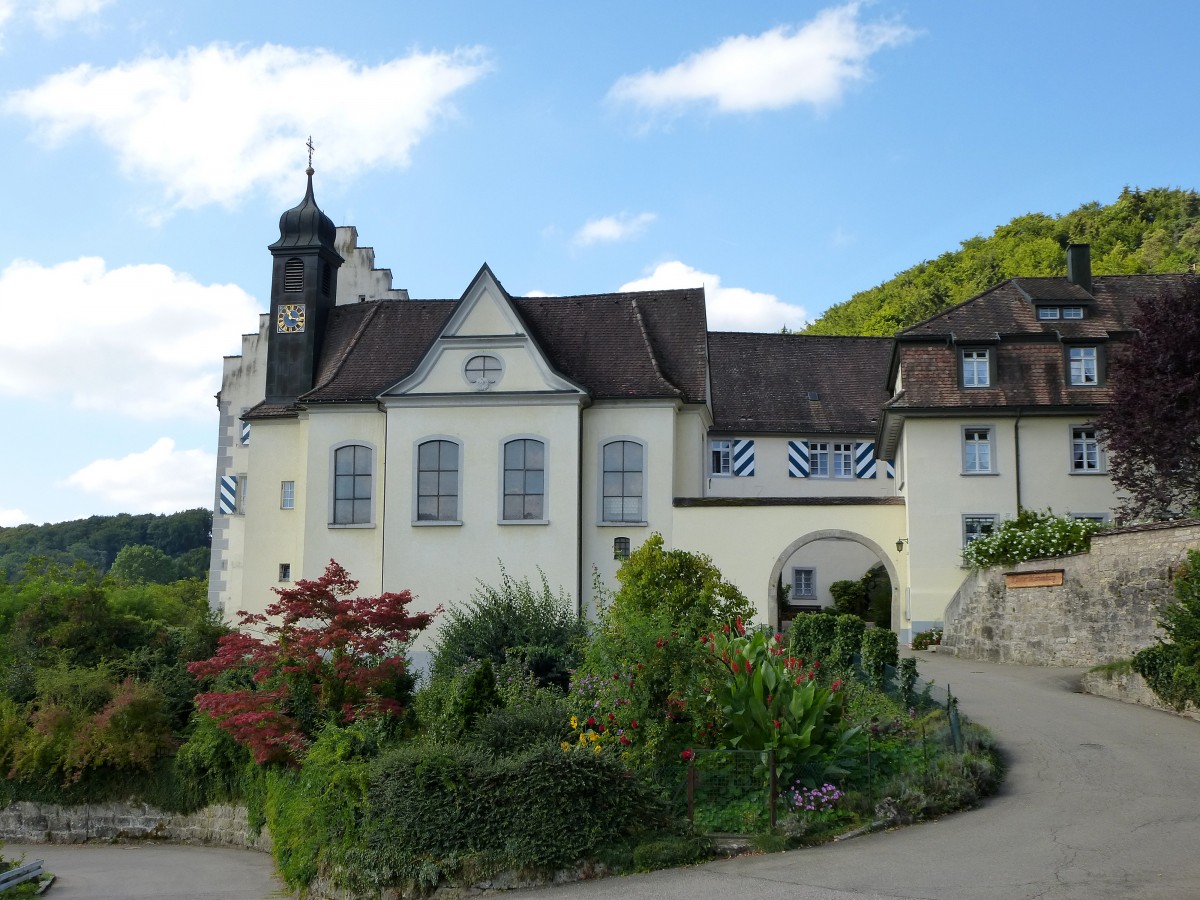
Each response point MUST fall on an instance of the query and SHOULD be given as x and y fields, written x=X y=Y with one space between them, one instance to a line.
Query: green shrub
x=880 y=649
x=847 y=643
x=811 y=636
x=849 y=597
x=537 y=627
x=1172 y=667
x=514 y=729
x=211 y=763
x=1031 y=535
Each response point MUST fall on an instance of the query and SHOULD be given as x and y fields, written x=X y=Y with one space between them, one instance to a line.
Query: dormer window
x=1048 y=312
x=1083 y=366
x=1072 y=312
x=483 y=371
x=976 y=368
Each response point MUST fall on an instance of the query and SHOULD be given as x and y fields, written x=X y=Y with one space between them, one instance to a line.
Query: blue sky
x=783 y=154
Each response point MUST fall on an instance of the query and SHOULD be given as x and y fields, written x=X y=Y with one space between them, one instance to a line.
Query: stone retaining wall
x=1130 y=687
x=49 y=824
x=1106 y=608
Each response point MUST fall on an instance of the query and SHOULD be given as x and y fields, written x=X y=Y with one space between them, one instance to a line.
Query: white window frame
x=504 y=470
x=1079 y=370
x=818 y=459
x=1072 y=312
x=333 y=523
x=416 y=481
x=720 y=458
x=843 y=460
x=1080 y=440
x=287 y=495
x=1098 y=518
x=971 y=446
x=285 y=572
x=602 y=517
x=976 y=367
x=1048 y=312
x=979 y=518
x=811 y=573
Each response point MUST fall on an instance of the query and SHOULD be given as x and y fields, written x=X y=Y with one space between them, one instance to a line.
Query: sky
x=784 y=155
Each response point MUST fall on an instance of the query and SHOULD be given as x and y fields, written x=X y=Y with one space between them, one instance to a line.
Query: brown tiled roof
x=637 y=344
x=267 y=410
x=761 y=383
x=1030 y=357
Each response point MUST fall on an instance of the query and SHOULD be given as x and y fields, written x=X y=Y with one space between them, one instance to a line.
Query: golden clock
x=290 y=318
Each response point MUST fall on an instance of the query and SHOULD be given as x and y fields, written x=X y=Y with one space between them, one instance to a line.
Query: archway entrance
x=805 y=569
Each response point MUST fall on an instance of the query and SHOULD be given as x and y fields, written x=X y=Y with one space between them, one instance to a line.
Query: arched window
x=524 y=480
x=293 y=275
x=623 y=482
x=437 y=481
x=483 y=371
x=352 y=485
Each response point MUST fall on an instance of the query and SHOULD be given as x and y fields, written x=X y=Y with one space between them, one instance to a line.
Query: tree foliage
x=1152 y=231
x=1172 y=666
x=318 y=654
x=1152 y=425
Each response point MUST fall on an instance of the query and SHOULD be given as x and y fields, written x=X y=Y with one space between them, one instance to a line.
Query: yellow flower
x=574 y=721
x=597 y=748
x=593 y=737
x=566 y=747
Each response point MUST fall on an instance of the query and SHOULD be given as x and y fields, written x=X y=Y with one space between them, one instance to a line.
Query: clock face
x=290 y=319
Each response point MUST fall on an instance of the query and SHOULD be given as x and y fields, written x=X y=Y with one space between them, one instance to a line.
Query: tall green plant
x=1172 y=666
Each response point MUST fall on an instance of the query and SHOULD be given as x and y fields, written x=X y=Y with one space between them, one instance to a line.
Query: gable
x=484 y=348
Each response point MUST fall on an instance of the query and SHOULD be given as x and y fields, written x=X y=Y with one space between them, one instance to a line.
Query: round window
x=483 y=371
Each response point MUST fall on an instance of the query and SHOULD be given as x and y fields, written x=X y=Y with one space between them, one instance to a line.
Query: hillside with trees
x=183 y=539
x=1151 y=231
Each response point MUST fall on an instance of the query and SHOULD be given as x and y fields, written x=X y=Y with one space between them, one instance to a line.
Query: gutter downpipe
x=1017 y=452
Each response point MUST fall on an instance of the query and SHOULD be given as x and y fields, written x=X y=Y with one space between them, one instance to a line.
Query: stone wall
x=1130 y=687
x=1106 y=608
x=48 y=824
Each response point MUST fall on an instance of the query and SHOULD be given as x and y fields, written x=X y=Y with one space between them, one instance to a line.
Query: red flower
x=633 y=724
x=779 y=637
x=659 y=643
x=735 y=667
x=837 y=684
x=740 y=627
x=686 y=755
x=748 y=668
x=624 y=740
x=776 y=721
x=611 y=717
x=591 y=722
x=600 y=729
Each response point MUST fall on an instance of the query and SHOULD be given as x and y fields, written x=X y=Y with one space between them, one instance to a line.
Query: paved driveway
x=1102 y=800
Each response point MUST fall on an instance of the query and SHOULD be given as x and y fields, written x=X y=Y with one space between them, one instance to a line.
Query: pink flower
x=686 y=755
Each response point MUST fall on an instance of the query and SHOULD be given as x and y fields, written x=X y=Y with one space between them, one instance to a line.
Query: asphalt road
x=1102 y=800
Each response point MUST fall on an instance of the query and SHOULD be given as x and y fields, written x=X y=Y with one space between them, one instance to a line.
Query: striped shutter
x=245 y=433
x=228 y=502
x=864 y=459
x=797 y=459
x=891 y=468
x=743 y=457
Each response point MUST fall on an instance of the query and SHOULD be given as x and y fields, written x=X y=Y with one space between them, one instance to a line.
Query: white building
x=423 y=443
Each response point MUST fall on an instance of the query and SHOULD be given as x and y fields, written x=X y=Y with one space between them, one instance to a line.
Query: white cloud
x=729 y=308
x=813 y=63
x=613 y=228
x=159 y=480
x=11 y=517
x=214 y=123
x=47 y=14
x=144 y=341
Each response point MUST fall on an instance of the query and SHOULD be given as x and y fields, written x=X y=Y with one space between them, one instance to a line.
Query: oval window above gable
x=483 y=371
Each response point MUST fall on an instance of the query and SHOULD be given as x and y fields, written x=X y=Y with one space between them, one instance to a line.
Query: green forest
x=1150 y=231
x=161 y=548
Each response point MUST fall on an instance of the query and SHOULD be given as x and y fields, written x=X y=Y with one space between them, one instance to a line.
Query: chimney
x=1079 y=265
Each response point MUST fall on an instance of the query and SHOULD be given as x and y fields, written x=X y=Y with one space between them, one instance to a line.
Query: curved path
x=1102 y=800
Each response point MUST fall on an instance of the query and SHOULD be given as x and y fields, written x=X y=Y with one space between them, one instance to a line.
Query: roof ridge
x=349 y=348
x=637 y=312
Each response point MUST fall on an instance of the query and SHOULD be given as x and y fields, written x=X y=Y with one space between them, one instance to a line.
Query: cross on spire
x=310 y=147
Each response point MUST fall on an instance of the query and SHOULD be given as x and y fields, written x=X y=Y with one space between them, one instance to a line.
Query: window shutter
x=229 y=491
x=245 y=434
x=864 y=459
x=891 y=468
x=743 y=457
x=797 y=459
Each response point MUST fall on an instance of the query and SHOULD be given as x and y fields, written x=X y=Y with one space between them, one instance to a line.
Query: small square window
x=1048 y=312
x=804 y=584
x=1072 y=312
x=621 y=548
x=976 y=370
x=975 y=527
x=285 y=571
x=287 y=495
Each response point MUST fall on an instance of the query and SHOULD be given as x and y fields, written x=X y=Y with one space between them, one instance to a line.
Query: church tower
x=303 y=291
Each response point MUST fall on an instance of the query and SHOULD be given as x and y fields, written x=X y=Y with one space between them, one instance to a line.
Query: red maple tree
x=317 y=654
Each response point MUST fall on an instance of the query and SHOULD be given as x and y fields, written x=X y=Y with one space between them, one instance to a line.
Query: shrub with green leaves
x=923 y=640
x=847 y=643
x=849 y=597
x=1031 y=535
x=880 y=649
x=1172 y=666
x=811 y=635
x=536 y=627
